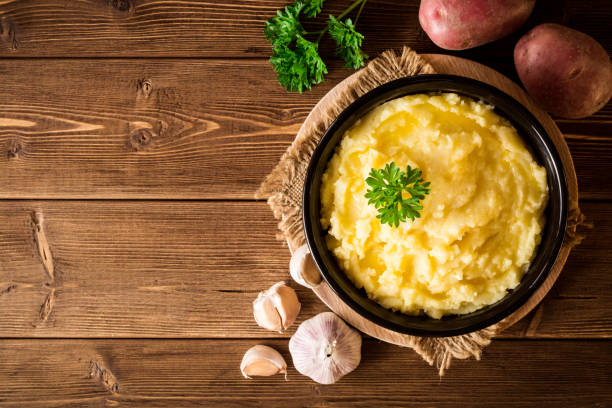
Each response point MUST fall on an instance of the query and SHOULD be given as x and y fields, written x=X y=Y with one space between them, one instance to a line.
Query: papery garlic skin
x=276 y=308
x=302 y=268
x=262 y=360
x=325 y=348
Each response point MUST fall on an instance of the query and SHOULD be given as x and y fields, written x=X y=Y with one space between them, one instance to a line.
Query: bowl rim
x=447 y=83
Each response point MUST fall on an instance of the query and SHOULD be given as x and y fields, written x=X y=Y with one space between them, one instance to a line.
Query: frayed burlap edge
x=283 y=188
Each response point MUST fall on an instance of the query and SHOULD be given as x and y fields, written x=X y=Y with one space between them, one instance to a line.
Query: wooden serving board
x=446 y=64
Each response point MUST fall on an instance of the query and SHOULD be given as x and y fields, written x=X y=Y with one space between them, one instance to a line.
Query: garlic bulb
x=325 y=348
x=276 y=308
x=303 y=269
x=262 y=361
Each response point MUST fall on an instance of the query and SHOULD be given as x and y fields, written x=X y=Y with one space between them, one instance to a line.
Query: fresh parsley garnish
x=298 y=69
x=313 y=7
x=284 y=28
x=348 y=42
x=387 y=192
x=295 y=59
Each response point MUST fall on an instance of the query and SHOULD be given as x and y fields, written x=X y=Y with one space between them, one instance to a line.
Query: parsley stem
x=344 y=13
x=359 y=11
x=350 y=8
x=313 y=32
x=321 y=34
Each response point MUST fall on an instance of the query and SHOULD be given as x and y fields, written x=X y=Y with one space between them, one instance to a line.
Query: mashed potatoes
x=480 y=224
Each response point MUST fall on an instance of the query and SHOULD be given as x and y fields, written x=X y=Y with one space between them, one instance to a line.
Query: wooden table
x=133 y=135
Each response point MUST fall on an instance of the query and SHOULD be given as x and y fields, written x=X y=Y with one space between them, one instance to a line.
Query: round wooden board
x=446 y=64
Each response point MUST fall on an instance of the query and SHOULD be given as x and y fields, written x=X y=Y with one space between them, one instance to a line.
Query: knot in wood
x=15 y=149
x=285 y=114
x=141 y=138
x=145 y=87
x=121 y=5
x=99 y=371
x=7 y=34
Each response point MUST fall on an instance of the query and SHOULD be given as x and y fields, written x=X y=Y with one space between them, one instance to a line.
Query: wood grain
x=123 y=129
x=233 y=28
x=137 y=129
x=171 y=373
x=192 y=269
x=174 y=100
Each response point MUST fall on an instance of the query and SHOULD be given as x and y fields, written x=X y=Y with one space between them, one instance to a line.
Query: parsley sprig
x=285 y=27
x=296 y=59
x=313 y=7
x=387 y=192
x=348 y=42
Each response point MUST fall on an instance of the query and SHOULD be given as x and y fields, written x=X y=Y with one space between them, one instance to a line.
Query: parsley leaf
x=284 y=28
x=313 y=7
x=388 y=186
x=348 y=42
x=298 y=69
x=296 y=60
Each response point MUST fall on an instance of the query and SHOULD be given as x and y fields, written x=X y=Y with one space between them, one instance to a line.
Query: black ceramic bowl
x=544 y=152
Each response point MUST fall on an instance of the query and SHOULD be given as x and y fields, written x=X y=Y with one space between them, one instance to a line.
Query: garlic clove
x=262 y=361
x=276 y=308
x=303 y=269
x=325 y=348
x=266 y=315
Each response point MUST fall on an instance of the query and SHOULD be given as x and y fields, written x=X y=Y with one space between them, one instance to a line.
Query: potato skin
x=567 y=72
x=463 y=24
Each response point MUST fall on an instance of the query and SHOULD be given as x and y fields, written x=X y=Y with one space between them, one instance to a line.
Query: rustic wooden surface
x=133 y=134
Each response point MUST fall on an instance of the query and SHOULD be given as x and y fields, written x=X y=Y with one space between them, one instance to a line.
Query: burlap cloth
x=283 y=189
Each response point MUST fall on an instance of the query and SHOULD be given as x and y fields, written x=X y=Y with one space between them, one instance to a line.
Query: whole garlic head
x=302 y=268
x=262 y=361
x=276 y=308
x=325 y=348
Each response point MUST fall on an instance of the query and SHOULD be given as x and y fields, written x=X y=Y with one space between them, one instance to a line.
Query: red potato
x=567 y=72
x=463 y=24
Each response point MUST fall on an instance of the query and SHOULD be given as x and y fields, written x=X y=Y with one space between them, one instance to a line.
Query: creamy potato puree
x=480 y=224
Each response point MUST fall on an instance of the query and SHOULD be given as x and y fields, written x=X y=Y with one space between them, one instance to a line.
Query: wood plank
x=130 y=373
x=146 y=129
x=192 y=269
x=233 y=28
x=164 y=129
x=142 y=269
x=595 y=151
